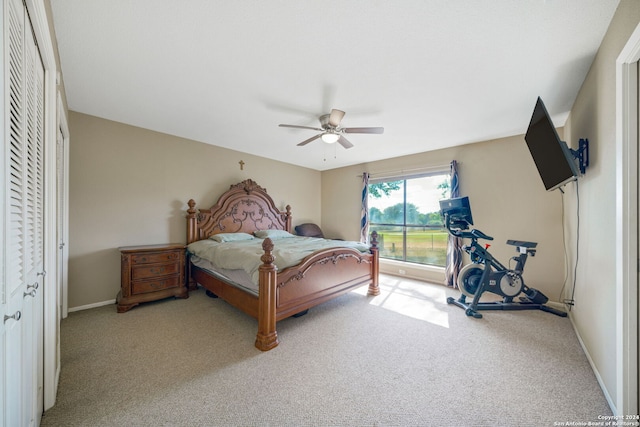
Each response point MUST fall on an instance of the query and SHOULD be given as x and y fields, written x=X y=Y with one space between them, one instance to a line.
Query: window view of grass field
x=406 y=215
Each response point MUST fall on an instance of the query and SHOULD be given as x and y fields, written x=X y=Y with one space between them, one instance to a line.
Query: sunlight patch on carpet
x=413 y=299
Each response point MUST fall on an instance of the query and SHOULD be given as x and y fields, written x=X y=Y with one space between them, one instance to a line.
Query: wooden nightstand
x=151 y=272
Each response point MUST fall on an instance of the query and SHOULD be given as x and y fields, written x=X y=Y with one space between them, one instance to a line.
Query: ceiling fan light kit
x=330 y=138
x=331 y=132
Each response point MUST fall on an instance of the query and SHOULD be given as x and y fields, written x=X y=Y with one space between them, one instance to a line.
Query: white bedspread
x=245 y=254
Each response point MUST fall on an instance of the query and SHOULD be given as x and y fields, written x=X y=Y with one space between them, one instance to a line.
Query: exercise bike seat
x=522 y=243
x=480 y=235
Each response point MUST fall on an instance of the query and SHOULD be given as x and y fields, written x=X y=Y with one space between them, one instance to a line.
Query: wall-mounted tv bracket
x=581 y=154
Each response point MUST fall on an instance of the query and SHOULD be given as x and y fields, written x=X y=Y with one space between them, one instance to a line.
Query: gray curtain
x=454 y=247
x=364 y=210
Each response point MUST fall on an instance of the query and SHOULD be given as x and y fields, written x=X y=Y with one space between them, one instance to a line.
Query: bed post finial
x=267 y=247
x=267 y=337
x=374 y=289
x=374 y=239
x=288 y=218
x=192 y=222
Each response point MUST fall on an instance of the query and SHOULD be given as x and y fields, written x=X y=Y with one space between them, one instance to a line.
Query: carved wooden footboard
x=321 y=276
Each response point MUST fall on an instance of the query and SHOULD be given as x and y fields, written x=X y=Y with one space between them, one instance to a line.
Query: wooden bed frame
x=324 y=275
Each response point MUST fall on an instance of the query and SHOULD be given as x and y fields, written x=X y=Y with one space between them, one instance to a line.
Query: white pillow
x=230 y=237
x=273 y=234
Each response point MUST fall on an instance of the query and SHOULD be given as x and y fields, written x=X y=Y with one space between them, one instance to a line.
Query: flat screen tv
x=552 y=157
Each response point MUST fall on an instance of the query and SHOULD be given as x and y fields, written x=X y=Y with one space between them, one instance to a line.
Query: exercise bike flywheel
x=469 y=280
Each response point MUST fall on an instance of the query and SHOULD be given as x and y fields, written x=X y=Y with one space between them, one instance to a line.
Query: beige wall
x=130 y=186
x=507 y=198
x=593 y=116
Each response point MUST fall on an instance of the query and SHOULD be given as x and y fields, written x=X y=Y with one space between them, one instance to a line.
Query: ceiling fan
x=330 y=130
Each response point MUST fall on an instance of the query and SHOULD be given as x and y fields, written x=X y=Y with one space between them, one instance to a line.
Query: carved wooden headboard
x=244 y=208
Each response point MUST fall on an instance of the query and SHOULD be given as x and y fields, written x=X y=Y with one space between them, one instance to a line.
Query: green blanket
x=245 y=254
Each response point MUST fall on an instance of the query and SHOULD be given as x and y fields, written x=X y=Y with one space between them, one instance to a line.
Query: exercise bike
x=487 y=274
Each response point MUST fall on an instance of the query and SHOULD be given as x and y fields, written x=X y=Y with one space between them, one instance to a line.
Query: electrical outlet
x=402 y=272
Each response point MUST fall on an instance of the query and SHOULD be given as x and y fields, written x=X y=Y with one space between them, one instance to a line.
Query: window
x=406 y=214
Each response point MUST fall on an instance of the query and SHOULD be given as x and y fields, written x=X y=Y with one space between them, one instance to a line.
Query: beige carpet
x=404 y=358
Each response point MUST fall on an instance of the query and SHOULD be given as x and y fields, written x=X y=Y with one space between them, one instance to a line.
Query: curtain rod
x=407 y=171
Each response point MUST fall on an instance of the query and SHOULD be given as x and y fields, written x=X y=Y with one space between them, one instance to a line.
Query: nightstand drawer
x=153 y=285
x=155 y=257
x=155 y=270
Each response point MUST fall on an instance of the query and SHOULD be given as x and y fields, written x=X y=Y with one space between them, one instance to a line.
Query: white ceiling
x=433 y=73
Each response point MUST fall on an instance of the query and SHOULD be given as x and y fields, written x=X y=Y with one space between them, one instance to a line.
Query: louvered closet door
x=33 y=223
x=23 y=219
x=3 y=279
x=14 y=220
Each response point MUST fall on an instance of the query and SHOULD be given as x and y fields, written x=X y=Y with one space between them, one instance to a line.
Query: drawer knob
x=15 y=316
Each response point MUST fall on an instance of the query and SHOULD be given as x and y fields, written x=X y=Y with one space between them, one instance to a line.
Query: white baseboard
x=557 y=305
x=607 y=396
x=422 y=272
x=94 y=305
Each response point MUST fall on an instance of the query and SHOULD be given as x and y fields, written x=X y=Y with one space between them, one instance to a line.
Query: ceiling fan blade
x=301 y=127
x=363 y=130
x=344 y=142
x=306 y=141
x=336 y=117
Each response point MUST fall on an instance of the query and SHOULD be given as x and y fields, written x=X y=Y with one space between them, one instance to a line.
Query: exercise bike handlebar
x=458 y=227
x=480 y=235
